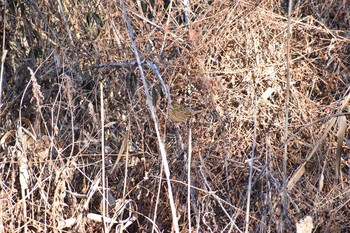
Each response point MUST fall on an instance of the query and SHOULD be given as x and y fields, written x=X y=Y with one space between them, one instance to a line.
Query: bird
x=179 y=113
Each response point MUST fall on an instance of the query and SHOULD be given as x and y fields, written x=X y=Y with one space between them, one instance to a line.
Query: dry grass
x=230 y=62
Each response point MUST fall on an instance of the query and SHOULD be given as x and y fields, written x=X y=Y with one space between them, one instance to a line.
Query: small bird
x=179 y=113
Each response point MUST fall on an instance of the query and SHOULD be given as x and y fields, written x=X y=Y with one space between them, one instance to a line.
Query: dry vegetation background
x=229 y=61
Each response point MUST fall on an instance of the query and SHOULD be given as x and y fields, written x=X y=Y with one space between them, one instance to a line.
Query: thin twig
x=104 y=199
x=3 y=53
x=285 y=154
x=189 y=179
x=115 y=64
x=155 y=120
x=251 y=165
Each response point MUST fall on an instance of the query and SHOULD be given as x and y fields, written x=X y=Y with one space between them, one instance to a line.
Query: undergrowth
x=228 y=61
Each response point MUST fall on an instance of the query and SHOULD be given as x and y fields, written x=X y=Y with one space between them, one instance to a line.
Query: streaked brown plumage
x=179 y=113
